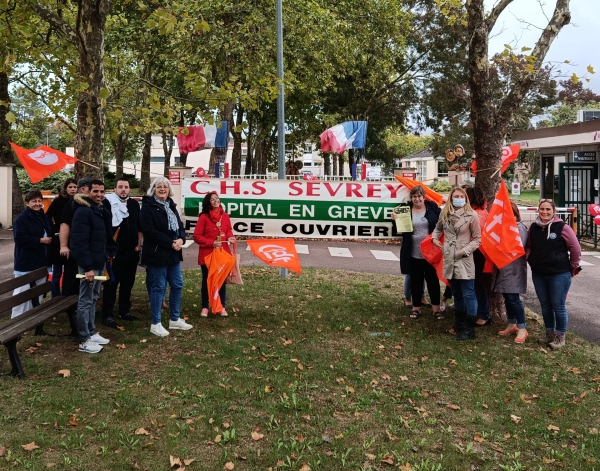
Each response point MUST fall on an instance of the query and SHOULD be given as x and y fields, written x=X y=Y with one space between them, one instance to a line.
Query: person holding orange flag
x=213 y=231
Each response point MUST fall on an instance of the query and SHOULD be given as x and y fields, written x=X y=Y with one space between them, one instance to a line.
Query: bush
x=441 y=186
x=110 y=179
x=53 y=183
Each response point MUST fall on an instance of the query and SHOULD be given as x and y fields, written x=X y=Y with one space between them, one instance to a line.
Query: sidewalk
x=6 y=236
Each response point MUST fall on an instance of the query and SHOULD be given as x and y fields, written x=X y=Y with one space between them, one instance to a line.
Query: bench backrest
x=6 y=305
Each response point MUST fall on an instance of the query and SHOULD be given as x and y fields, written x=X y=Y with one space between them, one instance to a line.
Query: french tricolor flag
x=200 y=137
x=348 y=135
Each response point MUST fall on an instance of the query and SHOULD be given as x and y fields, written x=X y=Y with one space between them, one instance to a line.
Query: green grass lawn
x=323 y=371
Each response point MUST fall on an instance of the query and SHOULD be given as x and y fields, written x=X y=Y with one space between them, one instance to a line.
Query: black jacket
x=157 y=250
x=432 y=214
x=91 y=235
x=55 y=213
x=28 y=229
x=130 y=226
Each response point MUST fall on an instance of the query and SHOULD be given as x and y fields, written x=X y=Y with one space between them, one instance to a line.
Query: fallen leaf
x=347 y=329
x=370 y=456
x=300 y=367
x=120 y=345
x=406 y=467
x=553 y=428
x=515 y=418
x=30 y=446
x=142 y=431
x=256 y=436
x=389 y=459
x=218 y=439
x=50 y=465
x=507 y=435
x=305 y=467
x=121 y=327
x=64 y=373
x=174 y=461
x=549 y=460
x=593 y=431
x=385 y=376
x=390 y=436
x=403 y=378
x=306 y=417
x=226 y=425
x=211 y=420
x=453 y=407
x=229 y=465
x=2 y=450
x=73 y=421
x=478 y=438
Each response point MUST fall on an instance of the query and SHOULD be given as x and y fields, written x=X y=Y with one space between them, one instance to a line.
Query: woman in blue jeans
x=462 y=236
x=553 y=253
x=164 y=237
x=510 y=281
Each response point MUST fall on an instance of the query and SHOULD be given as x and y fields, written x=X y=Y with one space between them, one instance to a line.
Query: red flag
x=509 y=154
x=429 y=193
x=42 y=161
x=277 y=253
x=435 y=257
x=500 y=237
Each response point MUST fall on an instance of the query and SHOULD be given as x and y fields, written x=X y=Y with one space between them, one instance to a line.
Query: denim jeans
x=464 y=296
x=552 y=292
x=515 y=312
x=483 y=306
x=407 y=290
x=86 y=306
x=158 y=277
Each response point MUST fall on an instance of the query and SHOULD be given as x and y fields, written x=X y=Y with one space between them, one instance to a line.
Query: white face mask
x=459 y=202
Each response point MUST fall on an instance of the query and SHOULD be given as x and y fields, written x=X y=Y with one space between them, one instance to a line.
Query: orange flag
x=42 y=161
x=434 y=256
x=509 y=154
x=429 y=193
x=500 y=236
x=277 y=253
x=219 y=264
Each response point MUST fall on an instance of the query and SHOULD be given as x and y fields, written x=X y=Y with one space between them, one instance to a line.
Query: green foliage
x=110 y=180
x=53 y=183
x=441 y=186
x=566 y=113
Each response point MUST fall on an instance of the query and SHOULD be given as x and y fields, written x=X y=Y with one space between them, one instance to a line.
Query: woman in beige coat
x=462 y=236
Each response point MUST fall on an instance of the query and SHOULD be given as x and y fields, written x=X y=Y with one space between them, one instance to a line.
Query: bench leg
x=72 y=314
x=15 y=361
x=39 y=330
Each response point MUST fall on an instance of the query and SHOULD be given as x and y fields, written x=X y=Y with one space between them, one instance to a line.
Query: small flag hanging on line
x=277 y=253
x=509 y=153
x=42 y=161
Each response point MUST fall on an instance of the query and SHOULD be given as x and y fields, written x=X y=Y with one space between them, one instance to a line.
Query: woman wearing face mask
x=425 y=215
x=462 y=236
x=213 y=230
x=553 y=253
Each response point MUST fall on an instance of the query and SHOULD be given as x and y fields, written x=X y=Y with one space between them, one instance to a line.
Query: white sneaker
x=159 y=330
x=442 y=306
x=99 y=339
x=89 y=346
x=179 y=324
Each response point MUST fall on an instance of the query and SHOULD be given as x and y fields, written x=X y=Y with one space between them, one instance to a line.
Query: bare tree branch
x=55 y=21
x=495 y=13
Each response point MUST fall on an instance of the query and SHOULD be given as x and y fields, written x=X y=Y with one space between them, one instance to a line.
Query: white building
x=424 y=166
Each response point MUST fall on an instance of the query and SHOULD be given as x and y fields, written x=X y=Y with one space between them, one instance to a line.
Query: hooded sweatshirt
x=552 y=248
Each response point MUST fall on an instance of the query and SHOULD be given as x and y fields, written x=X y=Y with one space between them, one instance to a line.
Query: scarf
x=543 y=225
x=118 y=209
x=171 y=218
x=216 y=214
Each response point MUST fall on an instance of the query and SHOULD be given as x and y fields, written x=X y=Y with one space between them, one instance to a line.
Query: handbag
x=235 y=276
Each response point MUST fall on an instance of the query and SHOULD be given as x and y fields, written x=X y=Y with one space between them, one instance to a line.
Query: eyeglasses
x=545 y=200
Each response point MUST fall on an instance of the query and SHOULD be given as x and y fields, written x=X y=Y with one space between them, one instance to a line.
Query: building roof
x=577 y=134
x=424 y=154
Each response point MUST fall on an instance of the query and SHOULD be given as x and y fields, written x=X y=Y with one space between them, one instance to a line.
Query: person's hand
x=177 y=244
x=65 y=252
x=46 y=240
x=437 y=243
x=138 y=248
x=394 y=216
x=231 y=240
x=217 y=244
x=89 y=276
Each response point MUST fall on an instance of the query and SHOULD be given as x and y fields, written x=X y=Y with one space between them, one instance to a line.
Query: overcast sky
x=577 y=42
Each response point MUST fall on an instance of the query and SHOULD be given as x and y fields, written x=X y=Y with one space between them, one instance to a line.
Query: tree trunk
x=6 y=154
x=335 y=165
x=236 y=157
x=145 y=172
x=350 y=159
x=249 y=148
x=119 y=145
x=341 y=165
x=167 y=143
x=327 y=163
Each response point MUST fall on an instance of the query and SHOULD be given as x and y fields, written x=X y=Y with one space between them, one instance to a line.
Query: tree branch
x=55 y=21
x=495 y=13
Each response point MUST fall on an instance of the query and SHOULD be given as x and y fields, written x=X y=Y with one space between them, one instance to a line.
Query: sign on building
x=584 y=156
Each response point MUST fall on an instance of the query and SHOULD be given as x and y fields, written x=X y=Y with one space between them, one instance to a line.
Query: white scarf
x=118 y=209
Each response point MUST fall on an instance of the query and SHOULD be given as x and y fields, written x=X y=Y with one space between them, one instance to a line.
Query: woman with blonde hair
x=462 y=236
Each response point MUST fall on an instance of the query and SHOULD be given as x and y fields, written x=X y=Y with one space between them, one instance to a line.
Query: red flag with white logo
x=277 y=253
x=500 y=237
x=509 y=153
x=42 y=161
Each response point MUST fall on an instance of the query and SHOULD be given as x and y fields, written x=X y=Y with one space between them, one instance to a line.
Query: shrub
x=53 y=183
x=441 y=186
x=110 y=179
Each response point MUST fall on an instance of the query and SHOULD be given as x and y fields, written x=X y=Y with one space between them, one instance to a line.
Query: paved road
x=584 y=315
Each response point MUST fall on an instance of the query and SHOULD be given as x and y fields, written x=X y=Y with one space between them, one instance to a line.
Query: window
x=442 y=169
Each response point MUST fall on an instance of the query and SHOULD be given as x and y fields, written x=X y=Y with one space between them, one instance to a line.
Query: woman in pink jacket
x=213 y=230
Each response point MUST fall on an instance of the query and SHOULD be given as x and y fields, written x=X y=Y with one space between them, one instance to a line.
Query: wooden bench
x=12 y=330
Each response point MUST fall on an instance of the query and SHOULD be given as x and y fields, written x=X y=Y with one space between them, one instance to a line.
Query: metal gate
x=576 y=189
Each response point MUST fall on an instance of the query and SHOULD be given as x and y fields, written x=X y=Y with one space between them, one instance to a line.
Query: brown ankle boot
x=549 y=338
x=559 y=342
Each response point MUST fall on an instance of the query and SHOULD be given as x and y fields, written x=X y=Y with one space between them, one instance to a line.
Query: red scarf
x=216 y=214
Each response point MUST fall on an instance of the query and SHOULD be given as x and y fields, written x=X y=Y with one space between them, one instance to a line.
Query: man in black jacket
x=91 y=242
x=125 y=221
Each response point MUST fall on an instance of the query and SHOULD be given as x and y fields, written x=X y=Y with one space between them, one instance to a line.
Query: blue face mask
x=459 y=202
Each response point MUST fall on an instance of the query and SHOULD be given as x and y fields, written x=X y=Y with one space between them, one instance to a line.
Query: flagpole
x=280 y=104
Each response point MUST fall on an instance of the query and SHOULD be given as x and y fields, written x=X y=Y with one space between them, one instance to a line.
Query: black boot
x=458 y=320
x=469 y=329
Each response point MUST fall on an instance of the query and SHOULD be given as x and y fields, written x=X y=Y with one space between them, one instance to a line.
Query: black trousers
x=204 y=289
x=70 y=281
x=420 y=270
x=124 y=267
